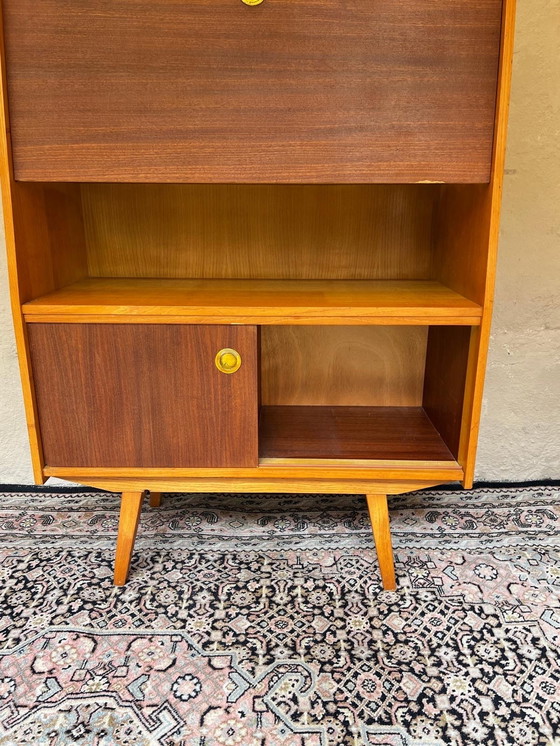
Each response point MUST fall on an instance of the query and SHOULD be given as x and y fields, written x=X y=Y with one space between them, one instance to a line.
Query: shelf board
x=209 y=301
x=349 y=434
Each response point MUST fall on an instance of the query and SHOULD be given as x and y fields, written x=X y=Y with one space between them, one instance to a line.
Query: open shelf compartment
x=249 y=254
x=363 y=396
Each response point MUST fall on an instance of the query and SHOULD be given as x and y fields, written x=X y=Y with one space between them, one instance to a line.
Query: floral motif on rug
x=259 y=621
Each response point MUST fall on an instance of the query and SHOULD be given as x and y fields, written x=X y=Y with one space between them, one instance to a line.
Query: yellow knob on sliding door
x=228 y=360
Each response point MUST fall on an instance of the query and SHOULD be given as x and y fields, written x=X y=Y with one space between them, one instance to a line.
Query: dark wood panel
x=135 y=395
x=350 y=433
x=444 y=381
x=213 y=90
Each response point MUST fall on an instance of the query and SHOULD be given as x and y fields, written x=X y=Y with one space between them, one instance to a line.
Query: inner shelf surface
x=389 y=433
x=255 y=301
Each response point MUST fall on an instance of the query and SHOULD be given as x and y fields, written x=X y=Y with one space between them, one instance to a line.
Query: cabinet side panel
x=461 y=239
x=50 y=244
x=144 y=396
x=444 y=383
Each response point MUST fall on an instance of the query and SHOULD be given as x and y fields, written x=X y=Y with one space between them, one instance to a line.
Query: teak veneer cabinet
x=252 y=248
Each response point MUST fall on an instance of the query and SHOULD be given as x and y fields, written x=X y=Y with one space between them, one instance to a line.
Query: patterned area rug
x=259 y=621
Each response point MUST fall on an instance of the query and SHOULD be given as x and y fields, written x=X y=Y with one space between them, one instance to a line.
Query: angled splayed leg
x=379 y=517
x=131 y=505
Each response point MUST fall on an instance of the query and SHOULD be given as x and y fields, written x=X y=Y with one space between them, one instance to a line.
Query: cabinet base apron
x=135 y=490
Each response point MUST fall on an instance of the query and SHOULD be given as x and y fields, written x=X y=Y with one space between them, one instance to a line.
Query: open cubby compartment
x=261 y=254
x=355 y=393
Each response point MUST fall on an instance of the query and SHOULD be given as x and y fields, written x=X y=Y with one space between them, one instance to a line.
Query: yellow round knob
x=228 y=360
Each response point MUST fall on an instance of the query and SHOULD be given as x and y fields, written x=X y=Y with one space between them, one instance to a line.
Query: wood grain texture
x=342 y=365
x=447 y=359
x=379 y=517
x=144 y=395
x=212 y=90
x=255 y=301
x=350 y=432
x=309 y=232
x=131 y=506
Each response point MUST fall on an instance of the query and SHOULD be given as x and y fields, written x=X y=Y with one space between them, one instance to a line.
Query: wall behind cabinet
x=520 y=433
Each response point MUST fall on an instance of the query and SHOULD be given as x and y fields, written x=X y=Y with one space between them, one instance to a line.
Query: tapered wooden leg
x=131 y=505
x=155 y=499
x=379 y=516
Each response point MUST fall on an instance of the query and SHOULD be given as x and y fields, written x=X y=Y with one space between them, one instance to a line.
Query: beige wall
x=520 y=436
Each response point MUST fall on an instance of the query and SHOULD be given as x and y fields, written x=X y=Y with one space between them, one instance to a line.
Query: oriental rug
x=259 y=621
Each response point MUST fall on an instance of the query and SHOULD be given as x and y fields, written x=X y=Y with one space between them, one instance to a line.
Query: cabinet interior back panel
x=214 y=90
x=374 y=366
x=357 y=232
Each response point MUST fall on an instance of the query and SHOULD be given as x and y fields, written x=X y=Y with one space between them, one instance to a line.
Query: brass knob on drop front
x=228 y=360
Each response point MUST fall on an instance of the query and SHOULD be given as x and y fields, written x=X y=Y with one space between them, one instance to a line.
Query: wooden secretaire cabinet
x=252 y=247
